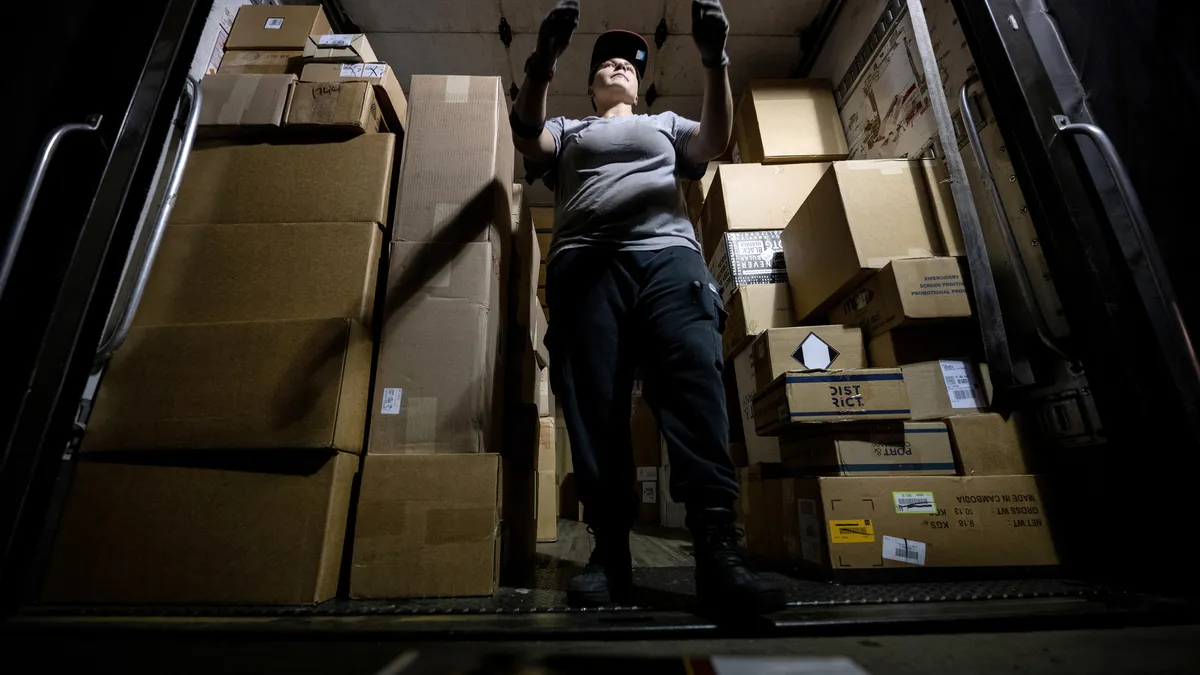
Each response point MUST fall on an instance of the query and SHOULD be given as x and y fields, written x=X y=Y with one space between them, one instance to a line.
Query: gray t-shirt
x=615 y=182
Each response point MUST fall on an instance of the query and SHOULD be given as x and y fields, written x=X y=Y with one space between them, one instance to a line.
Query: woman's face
x=615 y=82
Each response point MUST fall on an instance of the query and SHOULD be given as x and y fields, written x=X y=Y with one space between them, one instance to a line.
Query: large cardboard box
x=913 y=344
x=946 y=387
x=787 y=121
x=458 y=153
x=380 y=75
x=242 y=103
x=747 y=258
x=254 y=528
x=990 y=445
x=334 y=106
x=696 y=191
x=840 y=396
x=287 y=385
x=860 y=216
x=874 y=525
x=647 y=453
x=347 y=181
x=764 y=526
x=753 y=309
x=778 y=350
x=276 y=27
x=439 y=376
x=215 y=273
x=758 y=448
x=876 y=449
x=339 y=48
x=427 y=526
x=755 y=197
x=275 y=62
x=911 y=292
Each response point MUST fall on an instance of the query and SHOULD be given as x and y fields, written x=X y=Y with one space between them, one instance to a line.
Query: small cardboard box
x=778 y=350
x=860 y=216
x=946 y=387
x=339 y=48
x=236 y=387
x=876 y=449
x=865 y=526
x=255 y=528
x=342 y=106
x=347 y=181
x=788 y=121
x=842 y=396
x=647 y=450
x=427 y=526
x=989 y=445
x=753 y=309
x=747 y=258
x=234 y=103
x=262 y=272
x=278 y=27
x=913 y=344
x=906 y=293
x=388 y=93
x=758 y=448
x=754 y=197
x=275 y=62
x=696 y=191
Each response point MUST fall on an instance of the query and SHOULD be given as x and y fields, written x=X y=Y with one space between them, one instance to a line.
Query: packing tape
x=240 y=98
x=887 y=167
x=421 y=424
x=458 y=88
x=880 y=263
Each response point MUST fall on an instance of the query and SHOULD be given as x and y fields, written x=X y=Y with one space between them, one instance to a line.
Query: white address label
x=351 y=70
x=903 y=550
x=373 y=69
x=649 y=493
x=273 y=23
x=961 y=385
x=335 y=40
x=391 y=401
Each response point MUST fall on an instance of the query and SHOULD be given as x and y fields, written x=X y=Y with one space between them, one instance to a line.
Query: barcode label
x=352 y=70
x=335 y=40
x=961 y=385
x=391 y=401
x=649 y=493
x=903 y=550
x=273 y=23
x=914 y=502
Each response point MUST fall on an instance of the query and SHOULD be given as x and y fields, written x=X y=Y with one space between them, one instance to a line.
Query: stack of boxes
x=867 y=441
x=219 y=457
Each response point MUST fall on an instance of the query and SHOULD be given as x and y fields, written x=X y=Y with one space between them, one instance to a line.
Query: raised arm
x=710 y=28
x=528 y=117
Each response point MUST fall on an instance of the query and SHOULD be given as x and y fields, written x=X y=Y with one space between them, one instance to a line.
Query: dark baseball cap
x=621 y=44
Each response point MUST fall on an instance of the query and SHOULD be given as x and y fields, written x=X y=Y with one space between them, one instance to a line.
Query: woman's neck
x=616 y=110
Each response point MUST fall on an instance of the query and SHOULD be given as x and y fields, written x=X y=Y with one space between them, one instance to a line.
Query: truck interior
x=1056 y=121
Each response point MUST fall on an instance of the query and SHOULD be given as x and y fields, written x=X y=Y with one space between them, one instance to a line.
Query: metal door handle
x=92 y=123
x=1041 y=326
x=125 y=319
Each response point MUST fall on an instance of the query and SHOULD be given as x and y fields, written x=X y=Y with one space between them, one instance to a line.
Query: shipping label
x=649 y=493
x=903 y=550
x=914 y=502
x=961 y=385
x=391 y=401
x=273 y=23
x=851 y=532
x=336 y=40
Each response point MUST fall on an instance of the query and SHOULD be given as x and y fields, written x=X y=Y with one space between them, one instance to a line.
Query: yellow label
x=851 y=532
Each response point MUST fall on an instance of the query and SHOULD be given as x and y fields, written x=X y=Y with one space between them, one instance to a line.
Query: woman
x=627 y=287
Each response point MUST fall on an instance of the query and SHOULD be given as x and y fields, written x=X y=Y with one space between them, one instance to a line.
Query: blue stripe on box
x=876 y=377
x=913 y=466
x=853 y=412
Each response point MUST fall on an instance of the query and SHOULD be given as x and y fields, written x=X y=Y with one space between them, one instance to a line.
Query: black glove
x=709 y=30
x=553 y=38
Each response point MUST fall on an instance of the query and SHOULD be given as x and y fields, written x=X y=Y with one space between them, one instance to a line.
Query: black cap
x=620 y=44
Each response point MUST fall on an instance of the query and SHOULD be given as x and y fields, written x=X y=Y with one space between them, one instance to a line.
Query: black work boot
x=724 y=580
x=608 y=576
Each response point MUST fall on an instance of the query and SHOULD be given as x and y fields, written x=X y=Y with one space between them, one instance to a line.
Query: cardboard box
x=543 y=226
x=753 y=309
x=906 y=293
x=758 y=448
x=439 y=378
x=841 y=396
x=778 y=350
x=764 y=526
x=859 y=216
x=252 y=529
x=334 y=106
x=262 y=272
x=277 y=62
x=347 y=181
x=647 y=450
x=946 y=387
x=990 y=445
x=388 y=93
x=788 y=121
x=427 y=526
x=747 y=258
x=878 y=524
x=913 y=344
x=755 y=197
x=876 y=449
x=671 y=513
x=937 y=179
x=459 y=150
x=339 y=48
x=276 y=27
x=547 y=483
x=287 y=385
x=696 y=191
x=240 y=101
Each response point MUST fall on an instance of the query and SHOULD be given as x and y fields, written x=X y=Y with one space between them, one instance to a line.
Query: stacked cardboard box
x=219 y=456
